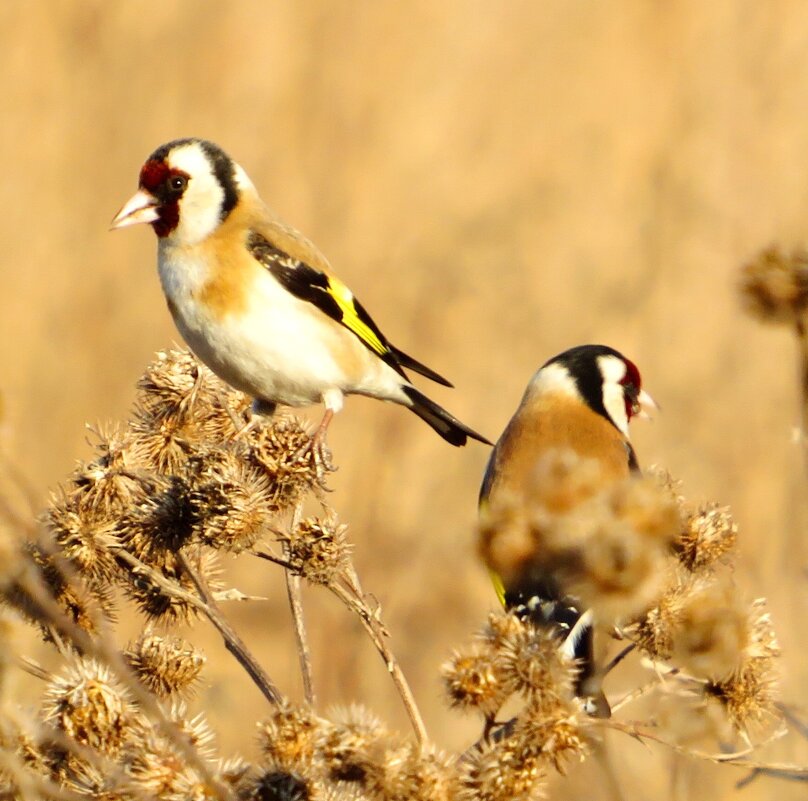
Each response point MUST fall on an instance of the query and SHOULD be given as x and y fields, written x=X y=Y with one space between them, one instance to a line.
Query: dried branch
x=232 y=640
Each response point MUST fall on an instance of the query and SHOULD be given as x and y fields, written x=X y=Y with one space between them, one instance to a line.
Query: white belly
x=277 y=348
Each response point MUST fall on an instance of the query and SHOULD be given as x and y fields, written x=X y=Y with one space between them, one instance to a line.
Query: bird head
x=604 y=379
x=187 y=188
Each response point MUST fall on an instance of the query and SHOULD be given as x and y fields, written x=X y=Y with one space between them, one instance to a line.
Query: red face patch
x=158 y=179
x=153 y=175
x=631 y=383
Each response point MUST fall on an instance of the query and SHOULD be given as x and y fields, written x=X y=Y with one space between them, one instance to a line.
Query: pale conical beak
x=643 y=403
x=140 y=208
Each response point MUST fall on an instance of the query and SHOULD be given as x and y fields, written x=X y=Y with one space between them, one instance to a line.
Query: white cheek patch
x=201 y=204
x=613 y=371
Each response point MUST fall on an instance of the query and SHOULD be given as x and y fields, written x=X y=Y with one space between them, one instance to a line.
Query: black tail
x=448 y=426
x=544 y=607
x=413 y=364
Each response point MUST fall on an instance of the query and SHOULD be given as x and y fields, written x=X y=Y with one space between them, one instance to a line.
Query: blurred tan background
x=497 y=182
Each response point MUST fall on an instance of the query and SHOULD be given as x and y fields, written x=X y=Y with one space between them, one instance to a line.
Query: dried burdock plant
x=167 y=665
x=318 y=550
x=230 y=502
x=90 y=706
x=748 y=693
x=192 y=475
x=513 y=662
x=709 y=535
x=774 y=288
x=774 y=285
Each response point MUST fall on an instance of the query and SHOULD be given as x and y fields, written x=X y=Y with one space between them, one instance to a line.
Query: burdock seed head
x=710 y=637
x=774 y=285
x=90 y=706
x=291 y=737
x=472 y=680
x=318 y=549
x=278 y=450
x=748 y=694
x=84 y=533
x=708 y=535
x=166 y=664
x=231 y=501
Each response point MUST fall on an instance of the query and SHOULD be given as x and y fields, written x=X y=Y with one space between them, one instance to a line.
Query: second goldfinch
x=257 y=302
x=581 y=400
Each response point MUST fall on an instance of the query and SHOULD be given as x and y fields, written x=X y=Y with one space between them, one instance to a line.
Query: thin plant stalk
x=296 y=606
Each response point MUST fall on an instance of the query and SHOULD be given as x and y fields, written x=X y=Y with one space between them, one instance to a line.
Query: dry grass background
x=497 y=182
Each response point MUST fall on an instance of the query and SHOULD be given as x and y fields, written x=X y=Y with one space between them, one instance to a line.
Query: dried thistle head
x=180 y=406
x=290 y=738
x=472 y=679
x=711 y=631
x=774 y=285
x=655 y=630
x=708 y=535
x=79 y=599
x=528 y=660
x=166 y=664
x=354 y=749
x=162 y=523
x=562 y=480
x=318 y=549
x=603 y=544
x=277 y=449
x=230 y=501
x=610 y=551
x=85 y=534
x=506 y=542
x=614 y=571
x=554 y=731
x=748 y=694
x=415 y=774
x=501 y=771
x=196 y=729
x=272 y=784
x=89 y=705
x=155 y=770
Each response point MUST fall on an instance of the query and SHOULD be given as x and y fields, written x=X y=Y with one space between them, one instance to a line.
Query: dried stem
x=355 y=599
x=350 y=593
x=103 y=648
x=621 y=655
x=802 y=344
x=232 y=640
x=207 y=606
x=737 y=758
x=296 y=605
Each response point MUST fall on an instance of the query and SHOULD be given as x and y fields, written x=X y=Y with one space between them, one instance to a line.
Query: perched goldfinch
x=581 y=400
x=257 y=302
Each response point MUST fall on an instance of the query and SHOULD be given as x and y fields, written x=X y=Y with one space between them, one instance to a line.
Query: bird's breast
x=257 y=336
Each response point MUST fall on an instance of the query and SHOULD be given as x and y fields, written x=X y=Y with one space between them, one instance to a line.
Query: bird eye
x=177 y=183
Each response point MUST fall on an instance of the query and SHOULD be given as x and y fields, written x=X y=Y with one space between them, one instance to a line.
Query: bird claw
x=318 y=454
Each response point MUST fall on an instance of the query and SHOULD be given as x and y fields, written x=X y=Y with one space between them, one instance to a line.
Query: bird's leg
x=316 y=447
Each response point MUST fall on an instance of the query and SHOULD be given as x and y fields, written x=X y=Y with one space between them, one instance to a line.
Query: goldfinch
x=258 y=303
x=581 y=400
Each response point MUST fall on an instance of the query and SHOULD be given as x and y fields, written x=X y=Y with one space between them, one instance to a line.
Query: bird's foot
x=317 y=452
